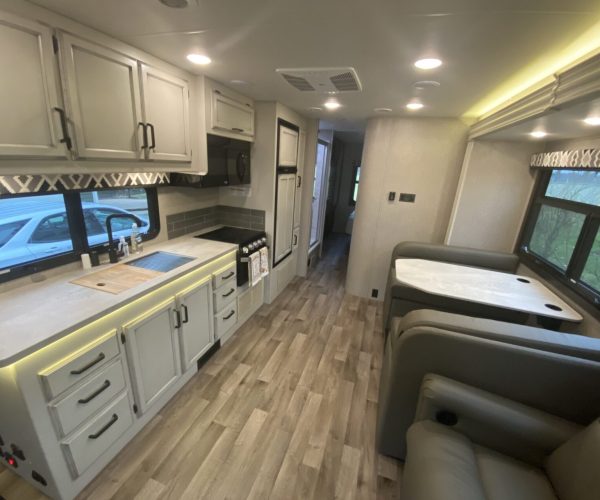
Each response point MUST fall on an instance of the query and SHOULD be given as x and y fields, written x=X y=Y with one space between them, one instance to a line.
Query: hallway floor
x=285 y=410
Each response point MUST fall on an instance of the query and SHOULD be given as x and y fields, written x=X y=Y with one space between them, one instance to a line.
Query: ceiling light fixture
x=428 y=63
x=424 y=84
x=175 y=4
x=199 y=59
x=383 y=110
x=594 y=121
x=414 y=105
x=315 y=108
x=538 y=134
x=332 y=104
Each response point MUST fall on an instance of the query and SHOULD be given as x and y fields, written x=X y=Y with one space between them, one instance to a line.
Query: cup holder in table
x=553 y=307
x=523 y=280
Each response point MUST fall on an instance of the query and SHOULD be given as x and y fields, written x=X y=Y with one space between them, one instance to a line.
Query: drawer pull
x=113 y=420
x=96 y=393
x=237 y=129
x=85 y=368
x=229 y=293
x=228 y=276
x=186 y=317
x=229 y=315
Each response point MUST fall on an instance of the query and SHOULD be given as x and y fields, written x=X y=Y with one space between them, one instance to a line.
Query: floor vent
x=324 y=80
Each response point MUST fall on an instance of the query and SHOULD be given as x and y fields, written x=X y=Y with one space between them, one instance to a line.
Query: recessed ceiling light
x=315 y=108
x=428 y=63
x=414 y=105
x=424 y=84
x=332 y=104
x=538 y=134
x=175 y=4
x=199 y=59
x=594 y=121
x=383 y=110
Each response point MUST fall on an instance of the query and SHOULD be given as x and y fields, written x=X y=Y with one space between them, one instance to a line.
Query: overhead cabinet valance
x=588 y=159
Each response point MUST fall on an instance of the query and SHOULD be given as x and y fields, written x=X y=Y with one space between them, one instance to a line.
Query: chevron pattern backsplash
x=20 y=184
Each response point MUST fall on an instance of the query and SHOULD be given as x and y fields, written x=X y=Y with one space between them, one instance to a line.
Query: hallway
x=285 y=410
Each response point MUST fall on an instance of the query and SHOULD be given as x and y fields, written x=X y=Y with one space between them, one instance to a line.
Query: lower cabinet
x=151 y=343
x=196 y=322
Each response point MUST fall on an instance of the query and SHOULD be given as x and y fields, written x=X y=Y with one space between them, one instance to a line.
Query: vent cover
x=322 y=79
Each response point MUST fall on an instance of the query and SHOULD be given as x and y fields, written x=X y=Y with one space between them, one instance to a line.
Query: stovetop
x=232 y=235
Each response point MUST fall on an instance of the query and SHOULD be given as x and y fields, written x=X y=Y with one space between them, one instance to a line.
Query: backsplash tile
x=203 y=218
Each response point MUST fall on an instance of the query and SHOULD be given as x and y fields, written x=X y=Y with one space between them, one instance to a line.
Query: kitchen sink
x=160 y=261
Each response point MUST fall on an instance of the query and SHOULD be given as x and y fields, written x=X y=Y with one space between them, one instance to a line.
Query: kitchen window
x=41 y=231
x=561 y=236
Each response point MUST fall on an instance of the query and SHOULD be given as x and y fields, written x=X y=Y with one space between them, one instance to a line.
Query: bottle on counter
x=124 y=246
x=134 y=238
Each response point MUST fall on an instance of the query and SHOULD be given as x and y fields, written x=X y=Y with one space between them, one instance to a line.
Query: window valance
x=584 y=159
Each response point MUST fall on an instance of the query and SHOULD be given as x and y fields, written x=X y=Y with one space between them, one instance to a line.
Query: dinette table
x=491 y=288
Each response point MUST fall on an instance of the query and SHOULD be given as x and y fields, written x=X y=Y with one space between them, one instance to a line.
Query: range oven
x=248 y=241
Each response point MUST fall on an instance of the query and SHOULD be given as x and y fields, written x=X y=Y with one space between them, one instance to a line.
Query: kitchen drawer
x=87 y=399
x=59 y=377
x=224 y=295
x=91 y=441
x=225 y=319
x=226 y=274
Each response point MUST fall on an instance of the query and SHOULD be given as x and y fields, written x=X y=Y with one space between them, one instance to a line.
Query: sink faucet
x=113 y=256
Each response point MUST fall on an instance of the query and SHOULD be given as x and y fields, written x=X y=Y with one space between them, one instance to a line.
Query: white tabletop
x=482 y=286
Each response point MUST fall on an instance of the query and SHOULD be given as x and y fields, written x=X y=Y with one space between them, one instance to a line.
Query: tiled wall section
x=202 y=218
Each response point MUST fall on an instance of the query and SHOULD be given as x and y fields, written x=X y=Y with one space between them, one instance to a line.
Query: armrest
x=492 y=421
x=528 y=336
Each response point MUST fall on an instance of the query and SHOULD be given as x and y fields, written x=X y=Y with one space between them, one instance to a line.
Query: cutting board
x=116 y=279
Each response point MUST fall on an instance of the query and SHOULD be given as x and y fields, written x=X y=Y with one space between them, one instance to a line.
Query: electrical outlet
x=374 y=293
x=407 y=197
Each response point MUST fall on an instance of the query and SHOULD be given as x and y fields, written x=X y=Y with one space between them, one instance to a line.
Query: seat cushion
x=442 y=464
x=505 y=478
x=574 y=467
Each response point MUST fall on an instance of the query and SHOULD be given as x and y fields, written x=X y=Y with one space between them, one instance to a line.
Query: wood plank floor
x=284 y=410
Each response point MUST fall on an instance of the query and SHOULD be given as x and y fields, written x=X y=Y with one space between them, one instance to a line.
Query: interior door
x=231 y=115
x=317 y=198
x=30 y=124
x=196 y=333
x=286 y=187
x=103 y=96
x=165 y=100
x=151 y=345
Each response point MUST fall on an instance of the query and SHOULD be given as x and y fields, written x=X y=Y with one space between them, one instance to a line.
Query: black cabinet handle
x=66 y=138
x=299 y=181
x=295 y=239
x=178 y=317
x=113 y=420
x=144 y=135
x=85 y=368
x=228 y=276
x=152 y=136
x=236 y=129
x=186 y=316
x=95 y=394
x=229 y=315
x=229 y=293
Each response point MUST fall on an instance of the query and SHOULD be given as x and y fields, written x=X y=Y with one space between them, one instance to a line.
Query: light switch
x=392 y=196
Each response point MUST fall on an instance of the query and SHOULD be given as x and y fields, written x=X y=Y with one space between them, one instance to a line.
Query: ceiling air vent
x=322 y=79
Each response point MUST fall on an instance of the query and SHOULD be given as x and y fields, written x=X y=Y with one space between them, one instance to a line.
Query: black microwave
x=228 y=164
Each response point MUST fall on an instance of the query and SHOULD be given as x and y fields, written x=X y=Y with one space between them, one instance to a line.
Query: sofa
x=556 y=373
x=469 y=444
x=399 y=299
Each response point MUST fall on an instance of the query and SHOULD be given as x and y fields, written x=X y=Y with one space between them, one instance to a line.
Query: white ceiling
x=482 y=43
x=566 y=123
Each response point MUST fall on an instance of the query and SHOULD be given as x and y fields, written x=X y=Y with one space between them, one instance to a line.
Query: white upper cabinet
x=166 y=112
x=230 y=114
x=288 y=147
x=30 y=124
x=103 y=96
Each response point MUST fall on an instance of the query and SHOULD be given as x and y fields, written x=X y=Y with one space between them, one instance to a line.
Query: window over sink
x=40 y=231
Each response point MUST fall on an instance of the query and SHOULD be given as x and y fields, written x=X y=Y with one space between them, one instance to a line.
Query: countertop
x=38 y=314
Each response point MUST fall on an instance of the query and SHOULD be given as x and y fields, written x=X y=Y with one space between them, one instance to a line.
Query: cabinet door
x=28 y=90
x=288 y=147
x=286 y=186
x=299 y=179
x=152 y=349
x=196 y=332
x=165 y=101
x=231 y=115
x=103 y=97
